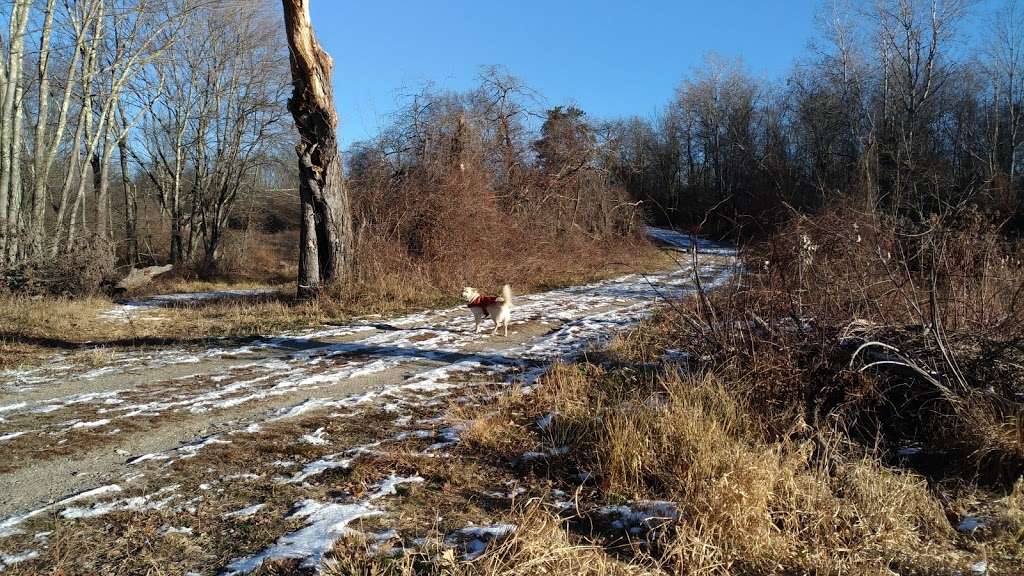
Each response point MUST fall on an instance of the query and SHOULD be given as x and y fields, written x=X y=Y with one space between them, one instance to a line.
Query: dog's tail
x=506 y=295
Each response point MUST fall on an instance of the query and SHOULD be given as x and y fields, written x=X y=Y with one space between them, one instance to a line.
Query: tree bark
x=130 y=201
x=326 y=235
x=10 y=126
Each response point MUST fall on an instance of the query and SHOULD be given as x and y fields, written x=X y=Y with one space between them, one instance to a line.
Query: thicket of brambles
x=459 y=189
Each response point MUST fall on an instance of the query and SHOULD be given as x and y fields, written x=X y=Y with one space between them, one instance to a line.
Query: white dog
x=493 y=307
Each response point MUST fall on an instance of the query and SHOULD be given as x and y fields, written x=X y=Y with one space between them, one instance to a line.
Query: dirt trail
x=66 y=428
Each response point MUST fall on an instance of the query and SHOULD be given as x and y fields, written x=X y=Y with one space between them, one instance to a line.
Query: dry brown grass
x=76 y=323
x=541 y=545
x=782 y=457
x=31 y=327
x=749 y=503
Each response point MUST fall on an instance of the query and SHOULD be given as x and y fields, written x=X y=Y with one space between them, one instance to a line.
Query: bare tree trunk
x=14 y=215
x=10 y=124
x=130 y=200
x=326 y=237
x=40 y=165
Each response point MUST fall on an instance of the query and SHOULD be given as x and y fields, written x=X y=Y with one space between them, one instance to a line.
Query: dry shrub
x=82 y=272
x=254 y=255
x=885 y=334
x=782 y=458
x=449 y=198
x=845 y=265
x=424 y=237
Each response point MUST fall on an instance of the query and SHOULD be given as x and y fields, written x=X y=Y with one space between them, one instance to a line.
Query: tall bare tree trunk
x=41 y=167
x=10 y=125
x=130 y=200
x=326 y=236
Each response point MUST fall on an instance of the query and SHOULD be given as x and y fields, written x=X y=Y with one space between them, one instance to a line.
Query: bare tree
x=1004 y=59
x=220 y=103
x=11 y=116
x=326 y=237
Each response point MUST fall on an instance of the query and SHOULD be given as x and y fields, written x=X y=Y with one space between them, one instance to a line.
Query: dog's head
x=469 y=294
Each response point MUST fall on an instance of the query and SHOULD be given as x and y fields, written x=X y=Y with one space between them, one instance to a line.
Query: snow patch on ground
x=970 y=524
x=12 y=559
x=686 y=242
x=639 y=517
x=156 y=501
x=327 y=522
x=11 y=525
x=247 y=512
x=474 y=540
x=317 y=438
x=317 y=467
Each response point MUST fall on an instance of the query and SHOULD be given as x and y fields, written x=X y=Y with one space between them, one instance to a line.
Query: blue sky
x=611 y=58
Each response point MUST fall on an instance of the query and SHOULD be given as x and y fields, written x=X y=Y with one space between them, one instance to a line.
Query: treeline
x=131 y=131
x=893 y=111
x=122 y=118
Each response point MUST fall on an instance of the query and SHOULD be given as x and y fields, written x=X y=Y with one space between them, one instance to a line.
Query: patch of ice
x=970 y=524
x=639 y=517
x=302 y=408
x=447 y=437
x=134 y=504
x=533 y=456
x=94 y=424
x=145 y=457
x=12 y=435
x=12 y=559
x=317 y=467
x=686 y=242
x=191 y=450
x=244 y=476
x=909 y=451
x=473 y=540
x=15 y=406
x=327 y=523
x=10 y=526
x=675 y=355
x=414 y=434
x=980 y=567
x=545 y=421
x=389 y=485
x=247 y=512
x=317 y=438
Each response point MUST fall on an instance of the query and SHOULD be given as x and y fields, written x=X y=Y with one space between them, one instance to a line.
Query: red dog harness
x=482 y=302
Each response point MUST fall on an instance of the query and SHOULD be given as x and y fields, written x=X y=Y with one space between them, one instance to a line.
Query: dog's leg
x=476 y=318
x=506 y=327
